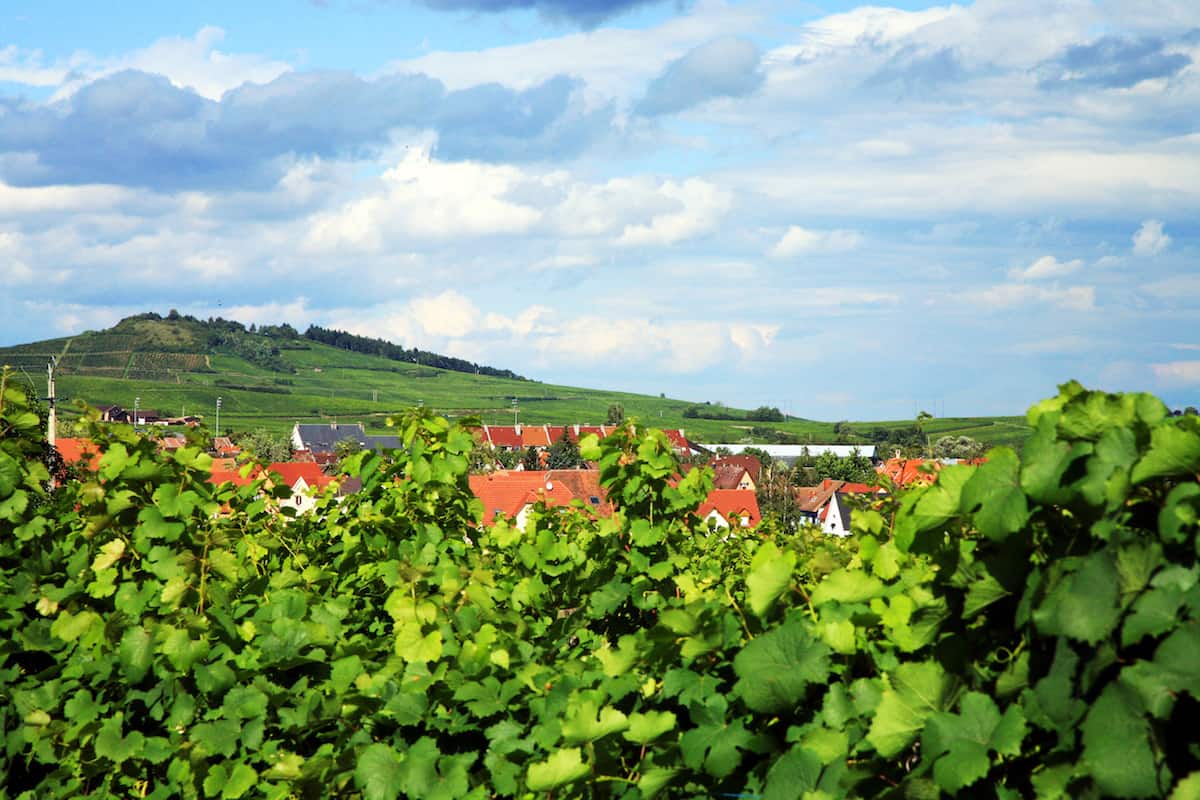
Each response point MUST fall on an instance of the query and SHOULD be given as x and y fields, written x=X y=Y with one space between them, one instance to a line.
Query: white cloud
x=423 y=198
x=192 y=63
x=697 y=209
x=1177 y=372
x=1150 y=239
x=1046 y=267
x=800 y=241
x=1004 y=296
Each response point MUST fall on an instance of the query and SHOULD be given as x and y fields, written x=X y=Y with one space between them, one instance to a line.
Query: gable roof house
x=730 y=508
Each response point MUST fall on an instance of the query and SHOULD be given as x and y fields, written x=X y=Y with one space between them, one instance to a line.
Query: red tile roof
x=234 y=476
x=535 y=436
x=748 y=463
x=904 y=471
x=292 y=471
x=730 y=503
x=75 y=451
x=508 y=492
x=502 y=436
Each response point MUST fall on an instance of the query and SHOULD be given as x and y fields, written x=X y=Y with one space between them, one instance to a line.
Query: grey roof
x=323 y=438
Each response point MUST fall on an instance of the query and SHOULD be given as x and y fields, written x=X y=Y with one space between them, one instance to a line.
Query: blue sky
x=845 y=211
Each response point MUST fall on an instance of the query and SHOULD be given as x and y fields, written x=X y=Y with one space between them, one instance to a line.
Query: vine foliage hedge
x=1013 y=630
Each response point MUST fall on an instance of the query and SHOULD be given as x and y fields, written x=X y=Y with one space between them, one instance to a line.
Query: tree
x=958 y=447
x=766 y=414
x=267 y=447
x=854 y=468
x=616 y=414
x=531 y=459
x=564 y=453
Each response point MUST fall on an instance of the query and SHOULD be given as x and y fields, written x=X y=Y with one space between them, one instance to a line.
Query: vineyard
x=1018 y=629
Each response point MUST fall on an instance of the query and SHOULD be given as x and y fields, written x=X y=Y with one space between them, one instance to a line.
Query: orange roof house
x=730 y=508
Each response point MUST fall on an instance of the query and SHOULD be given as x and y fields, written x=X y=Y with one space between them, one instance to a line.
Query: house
x=736 y=472
x=145 y=416
x=113 y=414
x=730 y=508
x=325 y=437
x=825 y=504
x=302 y=478
x=512 y=493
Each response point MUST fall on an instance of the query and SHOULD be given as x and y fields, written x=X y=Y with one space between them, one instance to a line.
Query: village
x=509 y=488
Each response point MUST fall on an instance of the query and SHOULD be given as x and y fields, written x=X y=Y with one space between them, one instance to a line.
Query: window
x=594 y=500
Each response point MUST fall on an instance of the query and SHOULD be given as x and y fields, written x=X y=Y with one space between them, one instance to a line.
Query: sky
x=844 y=211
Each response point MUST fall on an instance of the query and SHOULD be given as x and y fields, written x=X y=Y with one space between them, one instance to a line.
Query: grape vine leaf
x=378 y=773
x=1116 y=745
x=562 y=767
x=961 y=743
x=1173 y=451
x=775 y=669
x=770 y=573
x=915 y=690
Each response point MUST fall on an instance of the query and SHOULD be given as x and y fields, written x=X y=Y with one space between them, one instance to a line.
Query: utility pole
x=136 y=402
x=218 y=433
x=514 y=412
x=52 y=423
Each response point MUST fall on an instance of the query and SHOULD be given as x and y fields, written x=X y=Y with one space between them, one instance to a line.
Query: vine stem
x=738 y=610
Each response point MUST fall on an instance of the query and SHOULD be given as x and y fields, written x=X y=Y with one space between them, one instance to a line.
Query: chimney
x=518 y=427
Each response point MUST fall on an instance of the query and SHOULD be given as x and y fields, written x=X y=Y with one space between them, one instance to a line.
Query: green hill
x=273 y=376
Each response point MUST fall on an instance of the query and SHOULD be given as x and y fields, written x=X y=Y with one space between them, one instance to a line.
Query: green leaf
x=795 y=773
x=1187 y=789
x=10 y=475
x=589 y=722
x=181 y=650
x=770 y=573
x=378 y=773
x=847 y=586
x=562 y=767
x=1116 y=745
x=1180 y=513
x=1173 y=452
x=343 y=673
x=961 y=743
x=112 y=745
x=775 y=669
x=109 y=554
x=136 y=652
x=653 y=780
x=916 y=690
x=646 y=727
x=1083 y=605
x=995 y=497
x=69 y=627
x=715 y=747
x=242 y=778
x=244 y=702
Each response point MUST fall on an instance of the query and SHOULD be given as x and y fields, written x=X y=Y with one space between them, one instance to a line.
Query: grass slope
x=172 y=368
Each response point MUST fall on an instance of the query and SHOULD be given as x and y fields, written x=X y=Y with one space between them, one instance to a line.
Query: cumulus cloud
x=798 y=241
x=135 y=128
x=1114 y=62
x=725 y=67
x=422 y=198
x=1046 y=267
x=1150 y=239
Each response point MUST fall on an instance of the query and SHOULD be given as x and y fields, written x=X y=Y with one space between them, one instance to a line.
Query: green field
x=173 y=370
